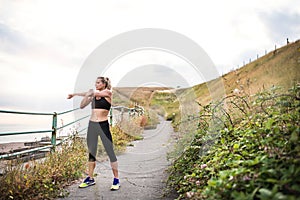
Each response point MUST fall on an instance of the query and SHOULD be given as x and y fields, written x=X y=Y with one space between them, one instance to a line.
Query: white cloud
x=136 y=59
x=58 y=36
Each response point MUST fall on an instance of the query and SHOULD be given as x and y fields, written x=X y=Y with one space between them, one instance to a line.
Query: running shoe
x=115 y=185
x=87 y=182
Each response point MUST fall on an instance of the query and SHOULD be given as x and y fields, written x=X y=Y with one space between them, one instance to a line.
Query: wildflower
x=189 y=194
x=203 y=166
x=27 y=166
x=236 y=91
x=246 y=178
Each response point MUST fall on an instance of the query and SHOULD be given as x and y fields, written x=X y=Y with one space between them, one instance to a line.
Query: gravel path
x=142 y=170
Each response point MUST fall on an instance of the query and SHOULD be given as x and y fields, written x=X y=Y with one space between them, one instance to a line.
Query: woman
x=98 y=125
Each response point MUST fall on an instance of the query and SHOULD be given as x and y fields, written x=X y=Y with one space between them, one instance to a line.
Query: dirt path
x=142 y=170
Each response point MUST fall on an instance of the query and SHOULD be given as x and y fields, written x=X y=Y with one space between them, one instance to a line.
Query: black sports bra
x=101 y=103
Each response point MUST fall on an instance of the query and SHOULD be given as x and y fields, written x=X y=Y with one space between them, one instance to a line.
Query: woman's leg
x=114 y=167
x=91 y=166
x=106 y=138
x=92 y=143
x=108 y=145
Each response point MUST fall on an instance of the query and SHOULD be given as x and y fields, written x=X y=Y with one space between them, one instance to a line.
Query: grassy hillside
x=128 y=96
x=280 y=67
x=277 y=68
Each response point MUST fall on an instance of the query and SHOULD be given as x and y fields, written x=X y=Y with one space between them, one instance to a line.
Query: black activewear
x=94 y=130
x=101 y=103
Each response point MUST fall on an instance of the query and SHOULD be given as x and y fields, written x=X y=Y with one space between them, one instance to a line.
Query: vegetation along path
x=142 y=170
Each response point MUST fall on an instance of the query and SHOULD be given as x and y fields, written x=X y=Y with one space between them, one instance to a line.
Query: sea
x=11 y=123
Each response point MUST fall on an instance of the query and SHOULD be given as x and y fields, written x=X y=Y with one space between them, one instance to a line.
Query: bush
x=245 y=149
x=45 y=179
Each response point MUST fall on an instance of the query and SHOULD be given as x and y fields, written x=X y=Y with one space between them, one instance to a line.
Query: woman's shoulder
x=108 y=92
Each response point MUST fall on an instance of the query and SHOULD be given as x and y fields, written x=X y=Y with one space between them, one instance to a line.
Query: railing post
x=111 y=117
x=129 y=114
x=54 y=127
x=122 y=113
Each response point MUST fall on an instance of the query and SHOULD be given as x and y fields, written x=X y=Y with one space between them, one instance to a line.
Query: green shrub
x=45 y=179
x=248 y=148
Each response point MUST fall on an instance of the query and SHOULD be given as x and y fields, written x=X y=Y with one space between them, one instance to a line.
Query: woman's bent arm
x=85 y=101
x=103 y=93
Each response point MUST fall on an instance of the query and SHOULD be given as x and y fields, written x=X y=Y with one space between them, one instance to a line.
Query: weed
x=45 y=179
x=252 y=154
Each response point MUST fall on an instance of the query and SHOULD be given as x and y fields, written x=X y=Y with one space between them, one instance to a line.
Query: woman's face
x=99 y=84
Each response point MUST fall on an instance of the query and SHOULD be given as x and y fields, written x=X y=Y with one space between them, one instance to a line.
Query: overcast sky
x=43 y=44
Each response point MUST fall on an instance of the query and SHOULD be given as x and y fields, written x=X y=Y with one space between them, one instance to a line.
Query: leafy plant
x=45 y=179
x=246 y=147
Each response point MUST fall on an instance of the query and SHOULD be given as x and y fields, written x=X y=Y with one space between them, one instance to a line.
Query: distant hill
x=280 y=67
x=128 y=96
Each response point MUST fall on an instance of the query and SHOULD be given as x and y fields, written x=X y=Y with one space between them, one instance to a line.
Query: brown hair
x=106 y=81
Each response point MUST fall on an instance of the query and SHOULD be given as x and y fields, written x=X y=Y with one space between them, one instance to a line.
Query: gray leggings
x=94 y=130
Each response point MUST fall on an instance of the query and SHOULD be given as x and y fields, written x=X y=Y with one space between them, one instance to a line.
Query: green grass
x=249 y=151
x=45 y=179
x=166 y=104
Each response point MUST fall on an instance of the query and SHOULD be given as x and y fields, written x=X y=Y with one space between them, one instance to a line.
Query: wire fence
x=259 y=55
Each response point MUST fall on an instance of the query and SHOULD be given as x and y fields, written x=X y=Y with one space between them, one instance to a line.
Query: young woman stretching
x=99 y=126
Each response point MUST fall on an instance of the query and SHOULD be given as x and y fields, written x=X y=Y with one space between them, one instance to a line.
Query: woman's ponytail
x=106 y=81
x=108 y=84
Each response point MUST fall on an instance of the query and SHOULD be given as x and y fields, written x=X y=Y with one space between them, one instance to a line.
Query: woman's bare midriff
x=99 y=115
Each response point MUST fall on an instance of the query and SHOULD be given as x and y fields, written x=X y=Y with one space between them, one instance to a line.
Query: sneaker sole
x=115 y=189
x=87 y=185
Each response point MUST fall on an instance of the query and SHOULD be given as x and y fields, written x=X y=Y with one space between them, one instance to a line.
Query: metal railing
x=137 y=110
x=53 y=131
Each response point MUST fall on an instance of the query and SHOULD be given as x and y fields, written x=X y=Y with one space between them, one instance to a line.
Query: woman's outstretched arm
x=87 y=97
x=81 y=94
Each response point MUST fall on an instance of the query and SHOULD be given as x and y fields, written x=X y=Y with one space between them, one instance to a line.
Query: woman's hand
x=70 y=96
